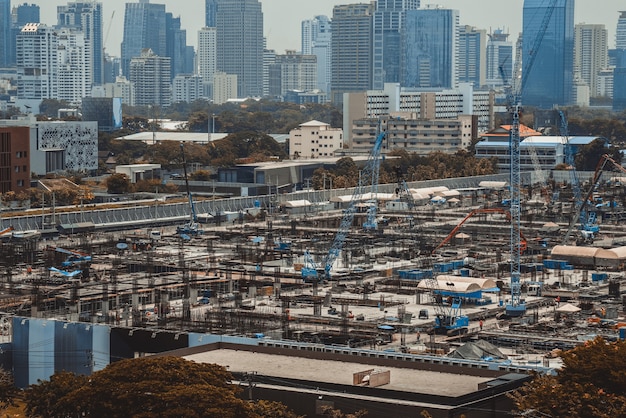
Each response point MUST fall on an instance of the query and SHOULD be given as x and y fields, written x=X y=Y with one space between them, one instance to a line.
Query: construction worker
x=480 y=323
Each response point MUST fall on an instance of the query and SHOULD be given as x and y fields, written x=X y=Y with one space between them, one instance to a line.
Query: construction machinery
x=447 y=303
x=588 y=227
x=73 y=256
x=6 y=232
x=368 y=176
x=193 y=226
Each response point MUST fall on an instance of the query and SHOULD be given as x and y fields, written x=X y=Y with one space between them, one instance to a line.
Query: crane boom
x=191 y=227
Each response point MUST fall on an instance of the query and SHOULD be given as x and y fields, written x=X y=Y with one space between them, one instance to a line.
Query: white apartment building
x=430 y=105
x=187 y=88
x=590 y=54
x=207 y=57
x=74 y=72
x=150 y=74
x=224 y=87
x=293 y=71
x=36 y=53
x=314 y=139
x=121 y=88
x=605 y=82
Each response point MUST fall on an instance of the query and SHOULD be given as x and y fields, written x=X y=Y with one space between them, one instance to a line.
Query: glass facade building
x=144 y=27
x=548 y=75
x=430 y=48
x=5 y=33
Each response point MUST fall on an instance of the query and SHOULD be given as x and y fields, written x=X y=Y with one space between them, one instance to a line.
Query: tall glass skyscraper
x=5 y=33
x=549 y=80
x=620 y=34
x=240 y=44
x=430 y=48
x=472 y=57
x=499 y=55
x=86 y=16
x=316 y=40
x=210 y=8
x=144 y=27
x=388 y=21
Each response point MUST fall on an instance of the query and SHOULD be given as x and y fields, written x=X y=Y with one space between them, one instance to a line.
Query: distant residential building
x=430 y=48
x=14 y=159
x=604 y=82
x=549 y=80
x=269 y=70
x=293 y=71
x=472 y=56
x=86 y=16
x=499 y=56
x=590 y=54
x=187 y=88
x=74 y=60
x=314 y=139
x=207 y=57
x=388 y=25
x=21 y=15
x=144 y=27
x=409 y=132
x=106 y=111
x=316 y=40
x=37 y=47
x=121 y=88
x=444 y=104
x=224 y=87
x=351 y=49
x=303 y=97
x=150 y=75
x=240 y=44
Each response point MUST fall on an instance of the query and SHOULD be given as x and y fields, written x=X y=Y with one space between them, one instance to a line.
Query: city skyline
x=282 y=24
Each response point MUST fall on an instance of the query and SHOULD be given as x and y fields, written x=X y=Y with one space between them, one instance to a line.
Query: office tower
x=472 y=58
x=388 y=21
x=590 y=54
x=86 y=16
x=74 y=60
x=5 y=33
x=144 y=27
x=207 y=55
x=26 y=13
x=269 y=59
x=36 y=53
x=549 y=80
x=176 y=47
x=210 y=8
x=240 y=43
x=430 y=47
x=150 y=75
x=351 y=49
x=620 y=35
x=316 y=40
x=499 y=55
x=293 y=71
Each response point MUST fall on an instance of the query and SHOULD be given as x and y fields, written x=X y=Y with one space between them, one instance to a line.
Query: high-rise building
x=293 y=71
x=430 y=48
x=590 y=54
x=5 y=33
x=472 y=58
x=187 y=88
x=351 y=49
x=21 y=15
x=620 y=34
x=150 y=75
x=36 y=52
x=388 y=21
x=207 y=53
x=269 y=59
x=316 y=40
x=499 y=56
x=144 y=27
x=176 y=45
x=240 y=43
x=86 y=16
x=549 y=80
x=73 y=65
x=224 y=87
x=210 y=8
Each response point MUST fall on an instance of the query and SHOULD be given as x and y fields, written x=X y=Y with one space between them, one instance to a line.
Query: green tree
x=591 y=383
x=117 y=183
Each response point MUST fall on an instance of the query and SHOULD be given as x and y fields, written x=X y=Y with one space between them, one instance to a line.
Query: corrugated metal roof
x=574 y=251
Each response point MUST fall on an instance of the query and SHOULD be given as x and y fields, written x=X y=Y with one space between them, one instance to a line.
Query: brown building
x=14 y=159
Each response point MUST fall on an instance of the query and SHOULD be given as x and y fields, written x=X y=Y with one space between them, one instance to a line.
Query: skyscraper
x=207 y=44
x=472 y=58
x=144 y=27
x=316 y=40
x=620 y=35
x=86 y=16
x=22 y=14
x=36 y=52
x=430 y=48
x=176 y=47
x=590 y=54
x=240 y=43
x=388 y=21
x=74 y=60
x=5 y=33
x=499 y=55
x=351 y=48
x=151 y=77
x=549 y=80
x=210 y=8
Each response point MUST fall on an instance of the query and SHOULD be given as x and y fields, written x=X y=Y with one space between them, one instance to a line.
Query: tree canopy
x=148 y=387
x=591 y=383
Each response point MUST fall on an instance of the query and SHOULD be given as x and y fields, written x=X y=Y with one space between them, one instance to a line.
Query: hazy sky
x=282 y=17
